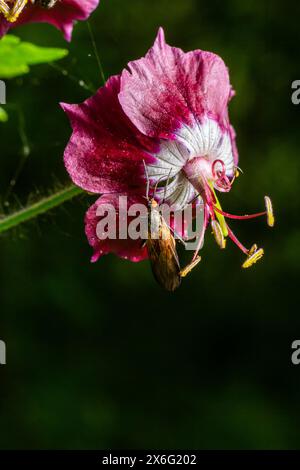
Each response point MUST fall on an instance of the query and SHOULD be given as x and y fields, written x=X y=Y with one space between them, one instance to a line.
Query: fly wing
x=164 y=259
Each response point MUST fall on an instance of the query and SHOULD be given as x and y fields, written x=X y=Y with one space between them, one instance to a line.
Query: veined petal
x=209 y=140
x=202 y=139
x=168 y=88
x=178 y=193
x=170 y=159
x=106 y=152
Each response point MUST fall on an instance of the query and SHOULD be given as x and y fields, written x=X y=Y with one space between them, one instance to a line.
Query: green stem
x=40 y=207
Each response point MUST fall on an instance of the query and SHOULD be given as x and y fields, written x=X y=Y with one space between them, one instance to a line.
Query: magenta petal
x=169 y=87
x=4 y=26
x=106 y=152
x=62 y=15
x=133 y=250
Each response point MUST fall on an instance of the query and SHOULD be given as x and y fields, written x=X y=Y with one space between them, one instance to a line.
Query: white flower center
x=206 y=140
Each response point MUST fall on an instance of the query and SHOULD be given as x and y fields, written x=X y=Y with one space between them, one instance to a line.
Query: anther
x=254 y=256
x=185 y=271
x=270 y=213
x=253 y=249
x=218 y=234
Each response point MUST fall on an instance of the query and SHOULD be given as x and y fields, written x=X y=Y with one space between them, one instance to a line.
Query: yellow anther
x=235 y=176
x=218 y=234
x=185 y=271
x=254 y=256
x=270 y=213
x=219 y=216
x=253 y=249
x=16 y=10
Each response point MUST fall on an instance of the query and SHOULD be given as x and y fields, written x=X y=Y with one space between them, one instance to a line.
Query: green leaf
x=3 y=115
x=16 y=56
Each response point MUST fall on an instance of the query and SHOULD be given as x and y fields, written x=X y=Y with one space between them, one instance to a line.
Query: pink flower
x=169 y=110
x=61 y=13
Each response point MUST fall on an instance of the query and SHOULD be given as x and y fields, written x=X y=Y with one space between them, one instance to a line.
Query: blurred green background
x=98 y=356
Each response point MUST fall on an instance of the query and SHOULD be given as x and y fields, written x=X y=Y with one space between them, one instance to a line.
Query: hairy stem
x=40 y=207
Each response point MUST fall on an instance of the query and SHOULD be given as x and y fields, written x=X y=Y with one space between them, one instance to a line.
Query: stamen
x=254 y=256
x=270 y=213
x=202 y=234
x=237 y=242
x=216 y=204
x=185 y=271
x=218 y=234
x=253 y=249
x=212 y=210
x=239 y=217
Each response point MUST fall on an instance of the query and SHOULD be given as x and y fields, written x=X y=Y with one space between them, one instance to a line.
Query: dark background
x=98 y=356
